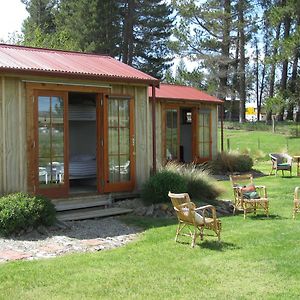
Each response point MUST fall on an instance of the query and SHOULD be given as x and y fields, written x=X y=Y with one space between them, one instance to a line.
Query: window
x=204 y=136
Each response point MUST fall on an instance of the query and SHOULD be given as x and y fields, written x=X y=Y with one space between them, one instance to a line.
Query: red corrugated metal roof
x=180 y=92
x=19 y=58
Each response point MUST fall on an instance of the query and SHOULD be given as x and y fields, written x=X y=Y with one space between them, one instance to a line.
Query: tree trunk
x=257 y=78
x=128 y=33
x=224 y=64
x=242 y=75
x=272 y=74
x=293 y=85
x=285 y=63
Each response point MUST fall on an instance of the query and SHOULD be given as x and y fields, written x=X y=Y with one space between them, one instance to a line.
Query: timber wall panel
x=13 y=136
x=2 y=128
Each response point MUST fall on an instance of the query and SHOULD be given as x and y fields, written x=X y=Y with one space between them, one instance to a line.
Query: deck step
x=82 y=202
x=90 y=213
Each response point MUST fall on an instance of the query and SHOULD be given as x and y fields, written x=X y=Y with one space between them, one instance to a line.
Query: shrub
x=232 y=162
x=200 y=184
x=156 y=188
x=20 y=211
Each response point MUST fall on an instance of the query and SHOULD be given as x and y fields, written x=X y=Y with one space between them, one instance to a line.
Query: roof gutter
x=68 y=83
x=83 y=76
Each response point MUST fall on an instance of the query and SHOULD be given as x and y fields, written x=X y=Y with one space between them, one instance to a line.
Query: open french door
x=119 y=144
x=51 y=138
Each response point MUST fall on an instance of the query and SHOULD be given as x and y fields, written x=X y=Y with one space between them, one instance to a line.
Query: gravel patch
x=68 y=237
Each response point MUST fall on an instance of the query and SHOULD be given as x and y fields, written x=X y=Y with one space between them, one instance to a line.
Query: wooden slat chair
x=281 y=162
x=296 y=208
x=247 y=196
x=194 y=219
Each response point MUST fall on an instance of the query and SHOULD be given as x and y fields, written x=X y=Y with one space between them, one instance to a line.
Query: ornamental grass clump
x=20 y=211
x=232 y=162
x=156 y=188
x=200 y=184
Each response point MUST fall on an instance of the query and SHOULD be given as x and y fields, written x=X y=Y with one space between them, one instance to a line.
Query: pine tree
x=41 y=22
x=146 y=32
x=93 y=25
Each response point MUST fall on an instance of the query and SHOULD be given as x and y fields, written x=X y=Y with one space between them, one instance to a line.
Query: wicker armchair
x=296 y=208
x=193 y=219
x=281 y=162
x=247 y=196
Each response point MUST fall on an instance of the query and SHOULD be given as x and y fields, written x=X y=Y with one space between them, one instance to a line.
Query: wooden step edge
x=82 y=215
x=82 y=204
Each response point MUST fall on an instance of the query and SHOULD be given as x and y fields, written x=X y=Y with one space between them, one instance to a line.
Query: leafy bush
x=200 y=184
x=232 y=162
x=20 y=211
x=156 y=188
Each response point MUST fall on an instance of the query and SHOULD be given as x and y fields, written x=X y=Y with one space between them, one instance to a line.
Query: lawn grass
x=260 y=143
x=258 y=258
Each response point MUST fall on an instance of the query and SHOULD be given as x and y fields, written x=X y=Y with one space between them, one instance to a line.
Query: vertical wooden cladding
x=13 y=169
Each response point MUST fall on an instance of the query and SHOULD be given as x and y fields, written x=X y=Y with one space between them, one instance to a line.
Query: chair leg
x=179 y=228
x=201 y=233
x=194 y=238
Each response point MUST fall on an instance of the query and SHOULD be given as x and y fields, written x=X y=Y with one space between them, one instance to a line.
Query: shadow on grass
x=218 y=246
x=149 y=222
x=212 y=245
x=264 y=217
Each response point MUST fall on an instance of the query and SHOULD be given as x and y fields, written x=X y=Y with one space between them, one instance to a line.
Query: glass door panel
x=171 y=134
x=119 y=144
x=51 y=141
x=204 y=134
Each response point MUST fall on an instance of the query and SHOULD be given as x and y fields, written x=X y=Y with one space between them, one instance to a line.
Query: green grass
x=258 y=258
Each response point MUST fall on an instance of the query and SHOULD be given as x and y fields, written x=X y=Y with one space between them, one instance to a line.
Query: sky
x=12 y=14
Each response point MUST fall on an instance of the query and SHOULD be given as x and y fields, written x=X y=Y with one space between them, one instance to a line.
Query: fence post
x=287 y=144
x=228 y=144
x=258 y=143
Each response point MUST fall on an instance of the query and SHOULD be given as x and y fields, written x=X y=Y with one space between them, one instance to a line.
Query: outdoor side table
x=297 y=159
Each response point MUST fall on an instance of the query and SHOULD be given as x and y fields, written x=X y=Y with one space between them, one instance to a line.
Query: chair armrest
x=260 y=186
x=262 y=189
x=204 y=208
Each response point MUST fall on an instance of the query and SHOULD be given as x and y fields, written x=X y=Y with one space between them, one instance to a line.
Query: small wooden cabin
x=75 y=123
x=71 y=122
x=186 y=124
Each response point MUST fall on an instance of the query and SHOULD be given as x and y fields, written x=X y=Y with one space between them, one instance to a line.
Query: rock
x=140 y=211
x=164 y=207
x=150 y=210
x=61 y=224
x=42 y=230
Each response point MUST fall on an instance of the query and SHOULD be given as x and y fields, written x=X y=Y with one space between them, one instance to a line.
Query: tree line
x=240 y=49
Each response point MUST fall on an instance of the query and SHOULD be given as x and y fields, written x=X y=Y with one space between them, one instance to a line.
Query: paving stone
x=13 y=255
